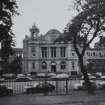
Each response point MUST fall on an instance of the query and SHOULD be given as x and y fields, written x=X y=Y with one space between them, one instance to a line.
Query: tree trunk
x=5 y=66
x=88 y=84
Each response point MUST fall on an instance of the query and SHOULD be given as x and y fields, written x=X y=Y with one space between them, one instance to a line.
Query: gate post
x=66 y=86
x=56 y=86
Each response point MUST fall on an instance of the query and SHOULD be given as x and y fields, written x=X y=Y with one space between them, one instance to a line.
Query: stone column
x=47 y=52
x=58 y=52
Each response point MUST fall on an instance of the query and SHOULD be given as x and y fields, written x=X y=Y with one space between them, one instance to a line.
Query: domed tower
x=34 y=31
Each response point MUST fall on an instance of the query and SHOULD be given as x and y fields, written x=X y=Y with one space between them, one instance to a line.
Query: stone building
x=42 y=53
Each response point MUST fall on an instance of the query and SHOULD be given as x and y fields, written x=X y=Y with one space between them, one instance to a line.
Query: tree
x=7 y=11
x=96 y=65
x=16 y=65
x=101 y=43
x=84 y=28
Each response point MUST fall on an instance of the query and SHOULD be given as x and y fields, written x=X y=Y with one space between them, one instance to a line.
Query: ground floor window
x=73 y=72
x=33 y=65
x=44 y=65
x=73 y=65
x=53 y=67
x=63 y=65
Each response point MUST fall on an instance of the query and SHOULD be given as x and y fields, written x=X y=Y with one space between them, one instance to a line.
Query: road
x=75 y=98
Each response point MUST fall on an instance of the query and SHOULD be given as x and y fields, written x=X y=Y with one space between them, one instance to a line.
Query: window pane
x=63 y=65
x=44 y=52
x=53 y=51
x=44 y=65
x=63 y=50
x=33 y=65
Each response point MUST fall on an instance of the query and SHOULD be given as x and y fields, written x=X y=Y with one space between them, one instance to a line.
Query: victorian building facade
x=42 y=53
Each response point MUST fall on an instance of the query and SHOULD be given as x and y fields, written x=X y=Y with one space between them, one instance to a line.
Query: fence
x=62 y=86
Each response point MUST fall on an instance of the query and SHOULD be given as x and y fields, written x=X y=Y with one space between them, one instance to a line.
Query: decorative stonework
x=53 y=63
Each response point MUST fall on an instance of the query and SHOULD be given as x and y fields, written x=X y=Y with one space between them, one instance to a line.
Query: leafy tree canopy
x=88 y=24
x=8 y=8
x=84 y=28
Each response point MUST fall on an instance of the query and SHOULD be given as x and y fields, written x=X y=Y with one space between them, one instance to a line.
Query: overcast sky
x=46 y=14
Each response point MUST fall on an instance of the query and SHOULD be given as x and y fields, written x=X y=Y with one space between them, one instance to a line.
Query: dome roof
x=53 y=31
x=52 y=35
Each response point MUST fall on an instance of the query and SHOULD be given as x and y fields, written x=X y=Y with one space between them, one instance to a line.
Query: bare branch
x=95 y=33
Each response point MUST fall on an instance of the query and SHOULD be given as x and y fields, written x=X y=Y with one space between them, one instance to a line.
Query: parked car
x=100 y=85
x=90 y=76
x=23 y=79
x=20 y=75
x=82 y=86
x=61 y=76
x=51 y=74
x=43 y=87
x=78 y=85
x=2 y=79
x=33 y=73
x=102 y=77
x=9 y=76
x=45 y=75
x=4 y=91
x=97 y=75
x=41 y=75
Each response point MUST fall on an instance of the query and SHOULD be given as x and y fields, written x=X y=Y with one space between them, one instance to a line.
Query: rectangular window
x=63 y=51
x=53 y=51
x=100 y=54
x=33 y=49
x=73 y=54
x=73 y=65
x=94 y=54
x=88 y=53
x=44 y=52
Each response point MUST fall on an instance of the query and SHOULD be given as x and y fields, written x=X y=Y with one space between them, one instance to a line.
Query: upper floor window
x=88 y=53
x=94 y=54
x=73 y=54
x=53 y=51
x=33 y=49
x=100 y=54
x=44 y=51
x=63 y=51
x=73 y=65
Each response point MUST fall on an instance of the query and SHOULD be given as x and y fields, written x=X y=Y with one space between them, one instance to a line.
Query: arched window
x=63 y=65
x=44 y=65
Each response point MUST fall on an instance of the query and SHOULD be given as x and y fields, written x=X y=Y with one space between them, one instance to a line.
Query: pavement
x=74 y=98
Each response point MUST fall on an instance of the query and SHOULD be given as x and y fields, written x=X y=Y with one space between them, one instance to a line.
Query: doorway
x=53 y=68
